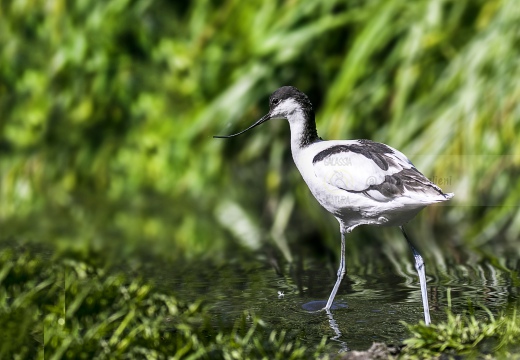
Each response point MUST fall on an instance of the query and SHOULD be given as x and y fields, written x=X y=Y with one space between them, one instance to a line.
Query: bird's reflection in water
x=334 y=326
x=316 y=306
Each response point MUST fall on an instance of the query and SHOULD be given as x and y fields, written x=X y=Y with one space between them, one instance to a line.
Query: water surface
x=376 y=295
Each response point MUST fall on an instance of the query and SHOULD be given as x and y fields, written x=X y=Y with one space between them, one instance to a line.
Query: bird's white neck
x=303 y=130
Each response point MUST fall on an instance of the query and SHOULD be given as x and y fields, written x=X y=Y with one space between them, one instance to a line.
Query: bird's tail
x=448 y=195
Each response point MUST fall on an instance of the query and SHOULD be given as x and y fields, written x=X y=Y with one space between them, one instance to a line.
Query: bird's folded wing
x=373 y=169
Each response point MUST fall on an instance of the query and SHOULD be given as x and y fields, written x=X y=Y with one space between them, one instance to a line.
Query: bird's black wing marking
x=369 y=149
x=397 y=184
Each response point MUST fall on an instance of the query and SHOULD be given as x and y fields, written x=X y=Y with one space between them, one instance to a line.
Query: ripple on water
x=289 y=299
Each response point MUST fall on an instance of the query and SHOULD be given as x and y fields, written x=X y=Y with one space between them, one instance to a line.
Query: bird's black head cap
x=289 y=92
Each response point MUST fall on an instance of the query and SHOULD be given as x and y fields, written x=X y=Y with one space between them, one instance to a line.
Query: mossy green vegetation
x=464 y=334
x=72 y=309
x=69 y=309
x=108 y=108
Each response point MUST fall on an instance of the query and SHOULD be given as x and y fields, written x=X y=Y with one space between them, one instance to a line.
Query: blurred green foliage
x=108 y=107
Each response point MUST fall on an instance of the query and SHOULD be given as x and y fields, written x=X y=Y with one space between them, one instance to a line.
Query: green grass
x=70 y=309
x=73 y=309
x=108 y=132
x=461 y=334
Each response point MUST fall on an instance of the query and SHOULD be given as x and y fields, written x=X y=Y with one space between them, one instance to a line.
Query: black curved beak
x=262 y=120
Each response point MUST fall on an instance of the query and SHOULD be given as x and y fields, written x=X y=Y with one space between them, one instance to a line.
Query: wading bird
x=360 y=182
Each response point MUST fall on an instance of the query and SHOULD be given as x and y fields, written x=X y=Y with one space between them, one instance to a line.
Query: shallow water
x=376 y=295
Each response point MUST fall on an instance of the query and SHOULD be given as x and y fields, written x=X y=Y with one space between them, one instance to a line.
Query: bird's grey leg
x=419 y=266
x=341 y=272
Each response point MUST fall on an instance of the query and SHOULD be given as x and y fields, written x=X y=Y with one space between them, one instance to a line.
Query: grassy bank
x=72 y=309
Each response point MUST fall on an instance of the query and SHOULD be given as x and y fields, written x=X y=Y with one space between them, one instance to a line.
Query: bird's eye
x=275 y=101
